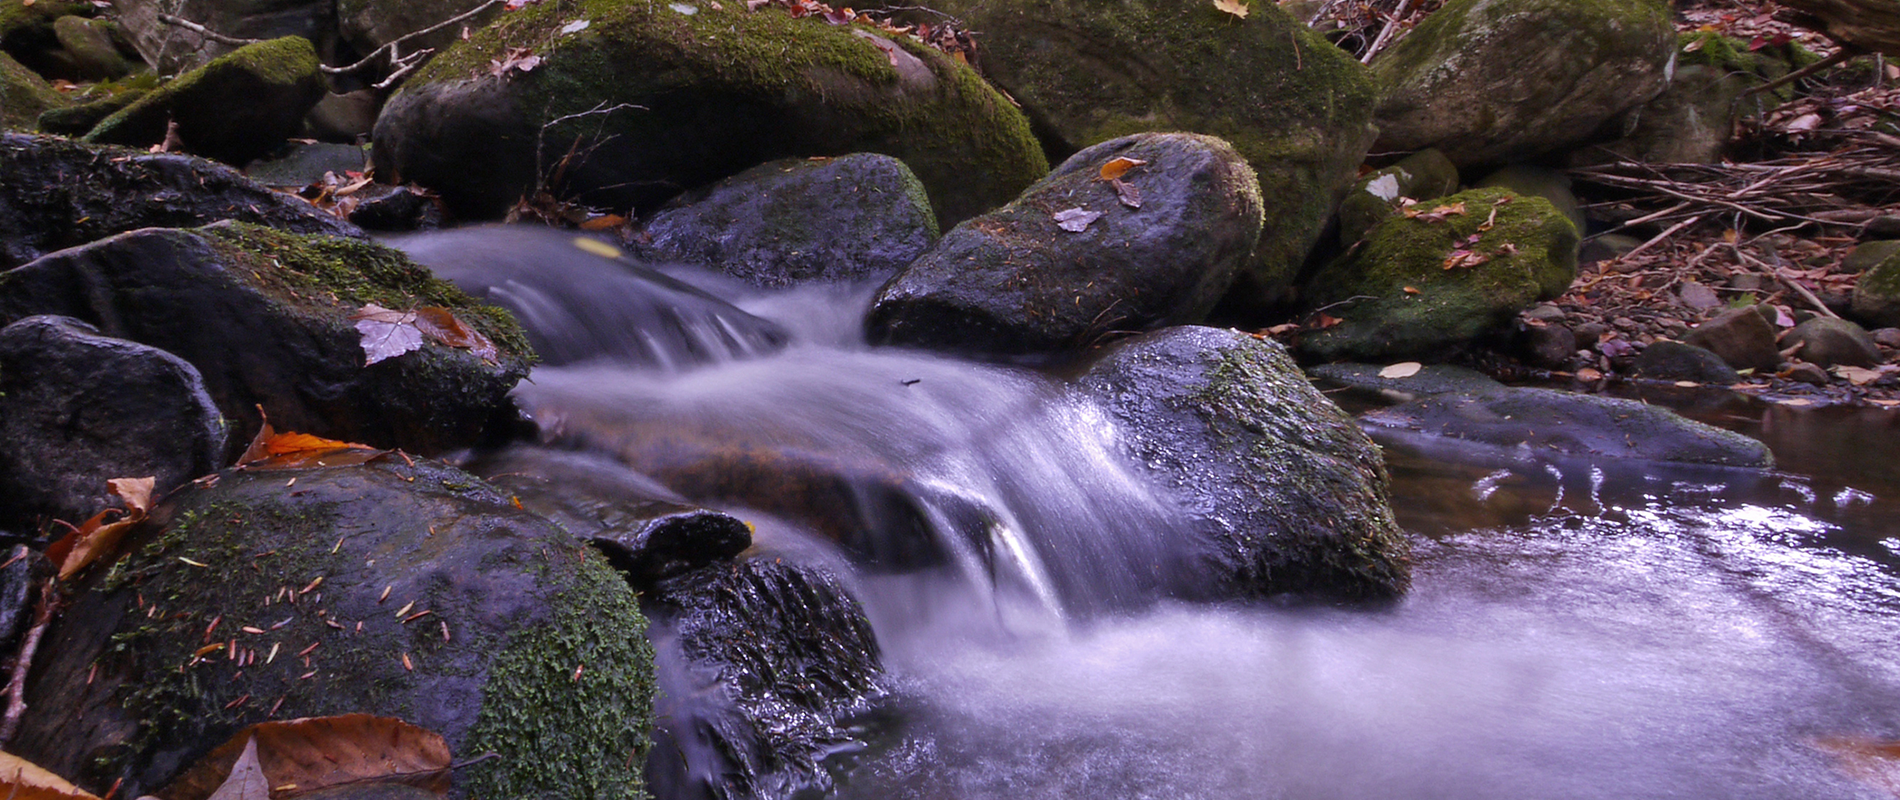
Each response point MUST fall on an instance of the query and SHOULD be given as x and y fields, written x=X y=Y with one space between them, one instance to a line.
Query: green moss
x=331 y=277
x=560 y=700
x=287 y=64
x=24 y=95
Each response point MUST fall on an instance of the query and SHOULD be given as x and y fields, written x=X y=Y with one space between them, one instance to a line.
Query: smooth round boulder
x=403 y=590
x=1675 y=361
x=78 y=409
x=856 y=217
x=1742 y=337
x=1077 y=257
x=1830 y=341
x=1876 y=298
x=1290 y=495
x=625 y=104
x=1496 y=81
x=234 y=109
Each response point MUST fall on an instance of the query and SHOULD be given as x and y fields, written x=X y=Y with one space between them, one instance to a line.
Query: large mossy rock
x=1376 y=196
x=1876 y=300
x=265 y=317
x=531 y=647
x=1496 y=81
x=24 y=96
x=234 y=109
x=28 y=31
x=1290 y=491
x=1040 y=277
x=1296 y=108
x=683 y=94
x=858 y=217
x=78 y=409
x=56 y=193
x=1421 y=284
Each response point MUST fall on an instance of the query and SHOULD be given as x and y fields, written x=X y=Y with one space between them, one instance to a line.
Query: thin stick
x=1786 y=281
x=1391 y=23
x=16 y=683
x=394 y=45
x=1673 y=229
x=1840 y=55
x=201 y=30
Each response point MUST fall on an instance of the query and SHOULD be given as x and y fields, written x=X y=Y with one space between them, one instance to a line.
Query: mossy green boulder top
x=654 y=98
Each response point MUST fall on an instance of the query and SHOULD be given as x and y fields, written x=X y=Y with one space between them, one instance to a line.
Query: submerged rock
x=265 y=317
x=1550 y=421
x=1290 y=494
x=1077 y=257
x=1497 y=81
x=648 y=99
x=56 y=194
x=415 y=592
x=1420 y=285
x=78 y=409
x=234 y=109
x=1430 y=379
x=856 y=217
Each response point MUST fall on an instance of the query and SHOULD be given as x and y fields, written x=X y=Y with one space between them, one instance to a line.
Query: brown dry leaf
x=246 y=780
x=1410 y=289
x=1403 y=369
x=289 y=450
x=1436 y=214
x=440 y=324
x=1238 y=8
x=604 y=222
x=96 y=537
x=1490 y=221
x=1462 y=259
x=1872 y=762
x=515 y=59
x=1799 y=401
x=1127 y=193
x=1325 y=320
x=1859 y=376
x=21 y=779
x=300 y=756
x=1589 y=375
x=1118 y=166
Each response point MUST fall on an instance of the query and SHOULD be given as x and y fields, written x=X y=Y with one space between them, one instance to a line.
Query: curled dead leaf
x=387 y=333
x=96 y=537
x=1075 y=220
x=1118 y=166
x=301 y=756
x=1435 y=214
x=290 y=450
x=21 y=779
x=1238 y=8
x=1127 y=193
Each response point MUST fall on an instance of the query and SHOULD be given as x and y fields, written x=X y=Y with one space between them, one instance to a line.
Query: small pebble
x=1887 y=337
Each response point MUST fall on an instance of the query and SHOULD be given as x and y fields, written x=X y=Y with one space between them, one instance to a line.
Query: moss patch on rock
x=234 y=109
x=24 y=95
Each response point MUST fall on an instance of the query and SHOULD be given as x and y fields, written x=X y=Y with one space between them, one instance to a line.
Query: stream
x=1575 y=629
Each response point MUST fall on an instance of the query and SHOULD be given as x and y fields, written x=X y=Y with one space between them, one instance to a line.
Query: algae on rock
x=234 y=109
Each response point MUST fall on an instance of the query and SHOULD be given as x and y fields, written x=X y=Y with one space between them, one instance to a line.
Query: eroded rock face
x=680 y=98
x=1289 y=491
x=265 y=318
x=1296 y=108
x=78 y=409
x=1071 y=260
x=513 y=607
x=853 y=218
x=1497 y=81
x=56 y=194
x=1422 y=284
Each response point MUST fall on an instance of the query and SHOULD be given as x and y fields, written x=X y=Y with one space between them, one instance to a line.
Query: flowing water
x=1575 y=629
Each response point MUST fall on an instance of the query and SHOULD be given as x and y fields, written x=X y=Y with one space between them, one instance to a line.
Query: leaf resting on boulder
x=301 y=756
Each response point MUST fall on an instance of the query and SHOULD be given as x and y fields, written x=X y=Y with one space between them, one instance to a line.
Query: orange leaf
x=23 y=780
x=1119 y=166
x=291 y=450
x=301 y=756
x=439 y=324
x=1872 y=762
x=96 y=537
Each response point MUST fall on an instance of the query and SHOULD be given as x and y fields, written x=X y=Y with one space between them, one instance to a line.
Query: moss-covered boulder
x=1290 y=495
x=858 y=217
x=636 y=101
x=56 y=193
x=1077 y=257
x=265 y=317
x=27 y=32
x=1876 y=300
x=86 y=112
x=234 y=109
x=1496 y=81
x=93 y=47
x=24 y=95
x=1461 y=266
x=1377 y=196
x=411 y=591
x=1294 y=106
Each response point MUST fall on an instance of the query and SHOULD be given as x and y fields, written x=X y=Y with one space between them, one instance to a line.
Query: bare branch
x=172 y=19
x=393 y=48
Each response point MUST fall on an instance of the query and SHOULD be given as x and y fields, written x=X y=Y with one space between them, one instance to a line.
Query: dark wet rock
x=1290 y=493
x=265 y=317
x=28 y=32
x=171 y=49
x=93 y=48
x=1548 y=346
x=1296 y=108
x=1876 y=300
x=1419 y=176
x=24 y=95
x=581 y=299
x=647 y=532
x=25 y=569
x=1016 y=282
x=1606 y=247
x=1742 y=337
x=682 y=95
x=1430 y=379
x=346 y=118
x=1541 y=421
x=764 y=666
x=1867 y=254
x=1668 y=360
x=78 y=409
x=235 y=109
x=1882 y=227
x=1497 y=81
x=1528 y=254
x=1829 y=342
x=852 y=218
x=381 y=207
x=1887 y=337
x=305 y=164
x=56 y=194
x=499 y=631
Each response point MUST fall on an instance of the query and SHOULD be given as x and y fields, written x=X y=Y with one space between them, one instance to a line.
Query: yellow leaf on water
x=597 y=247
x=1234 y=7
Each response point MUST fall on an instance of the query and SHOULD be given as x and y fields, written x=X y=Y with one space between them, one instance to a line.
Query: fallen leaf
x=575 y=26
x=1799 y=401
x=387 y=333
x=597 y=247
x=1410 y=289
x=1884 y=403
x=1385 y=187
x=1490 y=221
x=316 y=753
x=1118 y=166
x=1589 y=375
x=604 y=222
x=1859 y=376
x=514 y=59
x=1127 y=193
x=1870 y=761
x=1075 y=220
x=246 y=779
x=97 y=537
x=1463 y=259
x=290 y=450
x=21 y=779
x=1238 y=8
x=1403 y=369
x=1325 y=320
x=1435 y=215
